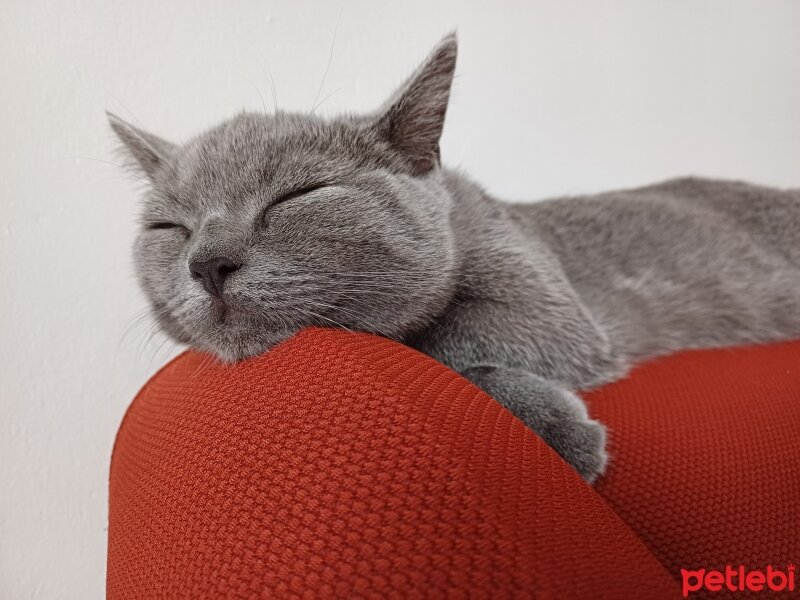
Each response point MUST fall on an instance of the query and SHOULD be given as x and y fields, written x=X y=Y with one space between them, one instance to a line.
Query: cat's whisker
x=324 y=318
x=263 y=104
x=314 y=104
x=135 y=321
x=333 y=307
x=270 y=81
x=154 y=333
x=154 y=355
x=205 y=363
x=321 y=102
x=142 y=339
x=377 y=291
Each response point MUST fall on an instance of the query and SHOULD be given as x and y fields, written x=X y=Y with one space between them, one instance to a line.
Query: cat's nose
x=212 y=273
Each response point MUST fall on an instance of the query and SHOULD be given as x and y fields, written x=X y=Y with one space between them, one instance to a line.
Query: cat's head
x=267 y=224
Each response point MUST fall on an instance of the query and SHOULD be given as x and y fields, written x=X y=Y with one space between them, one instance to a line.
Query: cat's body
x=574 y=291
x=687 y=263
x=267 y=224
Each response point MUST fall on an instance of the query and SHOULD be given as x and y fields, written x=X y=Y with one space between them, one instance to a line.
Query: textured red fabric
x=344 y=465
x=706 y=457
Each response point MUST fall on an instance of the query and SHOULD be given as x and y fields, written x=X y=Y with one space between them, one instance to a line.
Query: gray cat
x=270 y=223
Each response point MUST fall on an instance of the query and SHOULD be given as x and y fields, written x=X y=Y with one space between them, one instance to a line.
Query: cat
x=267 y=224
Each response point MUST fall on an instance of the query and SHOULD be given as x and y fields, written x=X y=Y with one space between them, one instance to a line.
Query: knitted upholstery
x=345 y=465
x=706 y=466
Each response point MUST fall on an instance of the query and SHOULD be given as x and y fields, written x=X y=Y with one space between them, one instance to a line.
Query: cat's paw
x=582 y=443
x=561 y=419
x=557 y=415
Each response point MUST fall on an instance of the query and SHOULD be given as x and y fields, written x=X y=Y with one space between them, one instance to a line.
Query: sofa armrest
x=348 y=465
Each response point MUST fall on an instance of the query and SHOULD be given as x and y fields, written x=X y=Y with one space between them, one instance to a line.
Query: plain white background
x=550 y=98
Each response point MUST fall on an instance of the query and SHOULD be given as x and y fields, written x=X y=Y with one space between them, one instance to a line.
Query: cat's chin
x=229 y=333
x=230 y=347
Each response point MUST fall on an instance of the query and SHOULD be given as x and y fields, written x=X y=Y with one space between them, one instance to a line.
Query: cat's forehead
x=253 y=151
x=248 y=131
x=255 y=141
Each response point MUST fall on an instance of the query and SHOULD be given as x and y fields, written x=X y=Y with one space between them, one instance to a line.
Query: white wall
x=551 y=97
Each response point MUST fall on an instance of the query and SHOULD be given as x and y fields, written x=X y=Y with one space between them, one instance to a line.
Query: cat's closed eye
x=299 y=192
x=168 y=225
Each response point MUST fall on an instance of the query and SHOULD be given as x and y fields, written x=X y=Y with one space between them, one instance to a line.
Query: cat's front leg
x=554 y=413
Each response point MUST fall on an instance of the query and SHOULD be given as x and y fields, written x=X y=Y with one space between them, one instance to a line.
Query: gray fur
x=528 y=301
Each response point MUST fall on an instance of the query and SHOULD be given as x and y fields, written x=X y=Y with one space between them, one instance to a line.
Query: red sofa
x=346 y=465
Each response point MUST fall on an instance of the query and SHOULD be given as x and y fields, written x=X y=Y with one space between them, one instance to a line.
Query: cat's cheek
x=285 y=225
x=160 y=265
x=173 y=329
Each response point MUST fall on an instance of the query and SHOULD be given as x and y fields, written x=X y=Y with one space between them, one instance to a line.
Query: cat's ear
x=412 y=119
x=149 y=152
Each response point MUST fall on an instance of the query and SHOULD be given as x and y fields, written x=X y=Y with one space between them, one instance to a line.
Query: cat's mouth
x=235 y=326
x=217 y=315
x=220 y=311
x=233 y=316
x=234 y=333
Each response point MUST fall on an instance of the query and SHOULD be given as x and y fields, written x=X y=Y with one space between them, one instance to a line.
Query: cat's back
x=662 y=266
x=642 y=224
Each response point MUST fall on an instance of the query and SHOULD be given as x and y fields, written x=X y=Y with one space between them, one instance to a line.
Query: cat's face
x=268 y=224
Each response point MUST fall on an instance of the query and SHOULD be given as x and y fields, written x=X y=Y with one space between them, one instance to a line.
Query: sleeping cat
x=270 y=223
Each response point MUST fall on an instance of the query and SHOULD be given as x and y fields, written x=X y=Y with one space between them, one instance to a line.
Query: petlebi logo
x=739 y=579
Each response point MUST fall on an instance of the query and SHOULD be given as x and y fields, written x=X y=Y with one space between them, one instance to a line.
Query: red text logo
x=739 y=579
